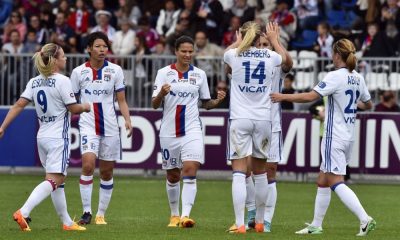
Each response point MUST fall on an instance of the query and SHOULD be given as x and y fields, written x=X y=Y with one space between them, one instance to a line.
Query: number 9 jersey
x=50 y=96
x=343 y=89
x=251 y=82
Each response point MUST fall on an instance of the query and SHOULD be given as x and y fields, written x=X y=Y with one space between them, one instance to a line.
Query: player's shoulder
x=230 y=52
x=113 y=66
x=80 y=68
x=165 y=69
x=198 y=70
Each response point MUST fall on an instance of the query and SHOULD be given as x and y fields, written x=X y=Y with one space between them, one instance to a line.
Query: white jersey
x=276 y=109
x=251 y=82
x=343 y=89
x=51 y=96
x=98 y=87
x=180 y=109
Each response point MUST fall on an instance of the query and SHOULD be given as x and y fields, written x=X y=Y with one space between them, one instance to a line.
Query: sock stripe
x=189 y=177
x=240 y=172
x=107 y=187
x=61 y=186
x=85 y=182
x=271 y=181
x=53 y=184
x=333 y=187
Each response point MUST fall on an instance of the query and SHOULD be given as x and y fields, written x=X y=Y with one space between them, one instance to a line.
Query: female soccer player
x=179 y=87
x=275 y=153
x=52 y=95
x=346 y=90
x=98 y=81
x=250 y=115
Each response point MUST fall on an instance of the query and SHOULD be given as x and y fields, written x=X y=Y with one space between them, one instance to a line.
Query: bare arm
x=288 y=63
x=157 y=100
x=365 y=105
x=213 y=103
x=14 y=111
x=273 y=37
x=236 y=43
x=123 y=107
x=79 y=108
x=297 y=97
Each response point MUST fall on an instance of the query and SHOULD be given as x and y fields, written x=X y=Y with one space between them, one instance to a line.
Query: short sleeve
x=66 y=92
x=158 y=83
x=275 y=58
x=75 y=82
x=204 y=91
x=365 y=96
x=28 y=92
x=327 y=86
x=228 y=55
x=119 y=84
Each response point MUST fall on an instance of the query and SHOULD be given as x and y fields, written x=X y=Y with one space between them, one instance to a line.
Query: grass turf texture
x=139 y=210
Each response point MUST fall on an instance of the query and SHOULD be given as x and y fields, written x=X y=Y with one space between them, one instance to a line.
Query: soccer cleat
x=235 y=229
x=86 y=218
x=73 y=227
x=267 y=227
x=99 y=220
x=186 y=222
x=259 y=227
x=251 y=222
x=367 y=227
x=22 y=222
x=174 y=221
x=310 y=230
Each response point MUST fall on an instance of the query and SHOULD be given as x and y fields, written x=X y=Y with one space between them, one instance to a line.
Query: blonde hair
x=346 y=50
x=45 y=59
x=250 y=31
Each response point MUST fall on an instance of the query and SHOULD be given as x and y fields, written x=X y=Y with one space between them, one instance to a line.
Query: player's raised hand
x=238 y=36
x=165 y=89
x=221 y=95
x=128 y=127
x=272 y=31
x=1 y=132
x=277 y=97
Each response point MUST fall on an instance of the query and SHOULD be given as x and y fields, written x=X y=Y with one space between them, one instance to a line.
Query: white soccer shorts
x=54 y=154
x=276 y=149
x=336 y=155
x=107 y=148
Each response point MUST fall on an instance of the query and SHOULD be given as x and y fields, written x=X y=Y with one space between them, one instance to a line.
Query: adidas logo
x=235 y=154
x=336 y=169
x=173 y=81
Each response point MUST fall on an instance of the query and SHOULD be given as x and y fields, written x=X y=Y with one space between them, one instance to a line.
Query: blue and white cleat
x=267 y=226
x=251 y=222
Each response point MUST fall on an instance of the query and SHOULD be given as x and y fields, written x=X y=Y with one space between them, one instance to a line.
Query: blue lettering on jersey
x=88 y=92
x=322 y=85
x=353 y=80
x=172 y=93
x=351 y=120
x=96 y=92
x=49 y=82
x=255 y=54
x=253 y=89
x=47 y=119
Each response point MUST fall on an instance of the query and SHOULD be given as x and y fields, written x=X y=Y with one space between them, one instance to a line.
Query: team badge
x=192 y=81
x=107 y=77
x=322 y=84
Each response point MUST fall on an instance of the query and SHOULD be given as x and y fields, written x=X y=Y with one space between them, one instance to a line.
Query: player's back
x=251 y=82
x=344 y=89
x=51 y=95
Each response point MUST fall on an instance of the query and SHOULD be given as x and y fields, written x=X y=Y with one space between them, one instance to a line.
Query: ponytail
x=351 y=62
x=345 y=48
x=45 y=60
x=251 y=32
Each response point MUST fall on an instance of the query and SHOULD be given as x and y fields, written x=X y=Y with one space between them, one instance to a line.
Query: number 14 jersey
x=251 y=82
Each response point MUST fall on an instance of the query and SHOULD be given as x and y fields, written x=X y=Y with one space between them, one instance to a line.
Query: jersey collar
x=180 y=74
x=97 y=74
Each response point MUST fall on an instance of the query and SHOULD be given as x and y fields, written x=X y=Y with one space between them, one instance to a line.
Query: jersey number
x=349 y=108
x=42 y=100
x=258 y=73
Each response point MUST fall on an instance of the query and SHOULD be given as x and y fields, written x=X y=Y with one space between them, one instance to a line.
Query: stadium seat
x=304 y=80
x=307 y=59
x=394 y=81
x=306 y=40
x=341 y=18
x=377 y=81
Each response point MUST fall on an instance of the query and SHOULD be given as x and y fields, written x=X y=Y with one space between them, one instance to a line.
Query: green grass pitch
x=139 y=210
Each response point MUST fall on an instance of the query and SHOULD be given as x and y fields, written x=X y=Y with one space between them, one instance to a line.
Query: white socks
x=60 y=204
x=106 y=189
x=86 y=187
x=41 y=192
x=351 y=201
x=173 y=192
x=189 y=191
x=260 y=186
x=322 y=200
x=251 y=194
x=239 y=196
x=271 y=201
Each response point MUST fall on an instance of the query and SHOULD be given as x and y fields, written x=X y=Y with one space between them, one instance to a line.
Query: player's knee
x=173 y=178
x=87 y=169
x=106 y=174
